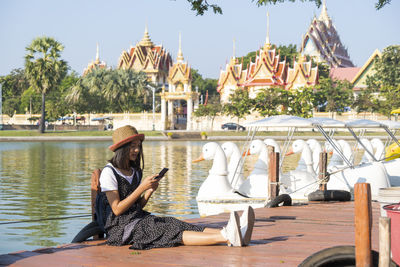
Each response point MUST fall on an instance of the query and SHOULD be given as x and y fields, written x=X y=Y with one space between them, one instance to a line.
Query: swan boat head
x=216 y=185
x=235 y=166
x=316 y=149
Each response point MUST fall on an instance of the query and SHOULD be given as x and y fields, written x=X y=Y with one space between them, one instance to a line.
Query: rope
x=47 y=219
x=320 y=181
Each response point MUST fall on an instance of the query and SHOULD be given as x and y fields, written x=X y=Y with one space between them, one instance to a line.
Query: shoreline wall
x=145 y=120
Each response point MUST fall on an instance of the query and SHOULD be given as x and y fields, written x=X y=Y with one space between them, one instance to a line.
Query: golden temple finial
x=234 y=48
x=97 y=54
x=267 y=39
x=324 y=13
x=146 y=41
x=267 y=44
x=180 y=54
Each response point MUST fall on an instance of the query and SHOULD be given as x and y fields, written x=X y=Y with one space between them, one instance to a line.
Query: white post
x=189 y=114
x=153 y=89
x=154 y=107
x=1 y=107
x=163 y=113
x=171 y=113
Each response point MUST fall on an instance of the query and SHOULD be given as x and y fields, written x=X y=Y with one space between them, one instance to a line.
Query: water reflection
x=52 y=179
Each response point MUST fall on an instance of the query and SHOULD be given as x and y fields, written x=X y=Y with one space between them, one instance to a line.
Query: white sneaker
x=232 y=231
x=246 y=225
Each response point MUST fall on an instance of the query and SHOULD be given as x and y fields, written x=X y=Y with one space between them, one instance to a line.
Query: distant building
x=179 y=90
x=154 y=60
x=95 y=64
x=357 y=76
x=175 y=79
x=322 y=42
x=266 y=71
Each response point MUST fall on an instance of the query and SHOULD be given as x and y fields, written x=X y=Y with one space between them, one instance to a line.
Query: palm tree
x=44 y=68
x=125 y=87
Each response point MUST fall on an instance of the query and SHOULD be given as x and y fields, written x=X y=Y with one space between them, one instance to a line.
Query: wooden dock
x=282 y=236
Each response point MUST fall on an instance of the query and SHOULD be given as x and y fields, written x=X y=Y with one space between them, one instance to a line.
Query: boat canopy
x=102 y=118
x=395 y=111
x=362 y=123
x=281 y=121
x=394 y=125
x=327 y=122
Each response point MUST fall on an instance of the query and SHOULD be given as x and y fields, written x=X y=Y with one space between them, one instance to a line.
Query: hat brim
x=125 y=141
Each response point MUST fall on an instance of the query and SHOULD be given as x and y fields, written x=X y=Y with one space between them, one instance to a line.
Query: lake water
x=42 y=180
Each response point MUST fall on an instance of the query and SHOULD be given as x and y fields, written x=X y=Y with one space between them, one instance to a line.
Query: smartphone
x=161 y=173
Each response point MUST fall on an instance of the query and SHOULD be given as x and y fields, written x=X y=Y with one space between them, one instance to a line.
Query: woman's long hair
x=121 y=160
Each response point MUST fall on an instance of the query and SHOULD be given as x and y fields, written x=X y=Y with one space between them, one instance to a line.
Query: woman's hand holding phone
x=161 y=174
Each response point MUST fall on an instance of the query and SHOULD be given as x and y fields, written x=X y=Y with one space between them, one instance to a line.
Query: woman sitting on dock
x=127 y=194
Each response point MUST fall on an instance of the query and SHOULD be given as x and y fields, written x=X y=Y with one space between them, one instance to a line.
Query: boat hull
x=209 y=207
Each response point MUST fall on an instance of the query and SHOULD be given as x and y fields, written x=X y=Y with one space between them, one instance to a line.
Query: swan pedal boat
x=217 y=194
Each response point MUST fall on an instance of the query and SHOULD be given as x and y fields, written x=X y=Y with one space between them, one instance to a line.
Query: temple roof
x=146 y=56
x=342 y=74
x=180 y=70
x=267 y=70
x=356 y=76
x=323 y=42
x=95 y=64
x=301 y=75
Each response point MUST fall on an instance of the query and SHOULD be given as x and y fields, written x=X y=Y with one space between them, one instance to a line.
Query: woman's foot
x=232 y=231
x=246 y=225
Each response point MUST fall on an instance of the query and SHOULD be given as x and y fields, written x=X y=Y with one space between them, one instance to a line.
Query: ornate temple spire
x=324 y=14
x=267 y=42
x=146 y=41
x=97 y=61
x=180 y=54
x=234 y=48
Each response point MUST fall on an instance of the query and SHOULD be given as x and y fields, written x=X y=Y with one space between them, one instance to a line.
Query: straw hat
x=124 y=135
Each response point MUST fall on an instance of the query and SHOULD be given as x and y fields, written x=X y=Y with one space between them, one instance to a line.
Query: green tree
x=115 y=90
x=386 y=80
x=201 y=6
x=11 y=106
x=13 y=86
x=86 y=95
x=301 y=102
x=388 y=67
x=268 y=100
x=211 y=110
x=57 y=106
x=202 y=84
x=239 y=105
x=31 y=101
x=44 y=68
x=127 y=88
x=323 y=70
x=389 y=99
x=335 y=95
x=364 y=102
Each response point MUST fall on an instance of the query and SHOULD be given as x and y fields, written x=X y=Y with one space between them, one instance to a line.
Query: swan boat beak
x=246 y=153
x=289 y=153
x=201 y=158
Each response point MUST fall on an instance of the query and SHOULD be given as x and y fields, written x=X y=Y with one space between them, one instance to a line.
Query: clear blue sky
x=206 y=40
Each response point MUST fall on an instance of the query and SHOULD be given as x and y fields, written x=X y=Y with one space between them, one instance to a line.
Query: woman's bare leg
x=212 y=230
x=209 y=237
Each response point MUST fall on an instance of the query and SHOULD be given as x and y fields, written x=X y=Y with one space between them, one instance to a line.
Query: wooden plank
x=363 y=224
x=282 y=236
x=323 y=163
x=384 y=241
x=273 y=173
